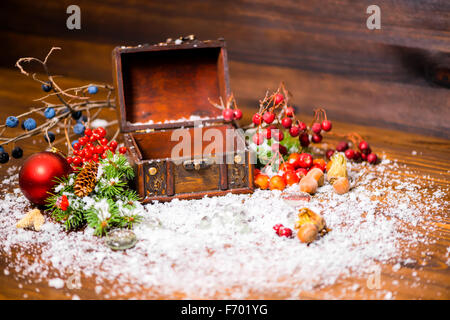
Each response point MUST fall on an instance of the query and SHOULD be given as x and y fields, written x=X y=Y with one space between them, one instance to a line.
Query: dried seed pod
x=308 y=184
x=306 y=215
x=338 y=167
x=317 y=174
x=307 y=233
x=341 y=185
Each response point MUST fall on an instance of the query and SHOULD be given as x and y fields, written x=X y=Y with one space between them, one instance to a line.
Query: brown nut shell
x=308 y=184
x=307 y=233
x=341 y=185
x=317 y=174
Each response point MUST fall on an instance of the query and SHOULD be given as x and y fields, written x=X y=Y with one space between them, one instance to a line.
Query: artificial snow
x=201 y=248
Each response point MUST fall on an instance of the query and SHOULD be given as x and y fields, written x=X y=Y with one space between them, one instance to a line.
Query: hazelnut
x=307 y=233
x=317 y=174
x=308 y=184
x=341 y=185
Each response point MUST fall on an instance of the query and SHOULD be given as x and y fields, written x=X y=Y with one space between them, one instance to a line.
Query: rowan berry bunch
x=93 y=146
x=73 y=110
x=276 y=116
x=361 y=150
x=230 y=110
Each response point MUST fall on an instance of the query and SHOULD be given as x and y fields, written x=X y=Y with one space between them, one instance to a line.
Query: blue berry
x=78 y=129
x=73 y=142
x=4 y=157
x=49 y=113
x=76 y=115
x=2 y=149
x=17 y=153
x=46 y=87
x=92 y=89
x=29 y=124
x=51 y=136
x=82 y=119
x=12 y=122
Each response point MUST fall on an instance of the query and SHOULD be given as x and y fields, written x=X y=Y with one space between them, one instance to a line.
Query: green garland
x=110 y=205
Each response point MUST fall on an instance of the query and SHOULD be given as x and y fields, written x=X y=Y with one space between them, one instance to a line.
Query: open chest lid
x=168 y=85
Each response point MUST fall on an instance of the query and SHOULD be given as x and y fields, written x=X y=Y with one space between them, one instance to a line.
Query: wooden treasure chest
x=178 y=142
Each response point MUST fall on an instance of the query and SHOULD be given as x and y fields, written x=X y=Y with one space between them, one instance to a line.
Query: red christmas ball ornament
x=38 y=173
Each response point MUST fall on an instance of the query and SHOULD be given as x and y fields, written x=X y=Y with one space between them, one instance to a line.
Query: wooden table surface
x=432 y=276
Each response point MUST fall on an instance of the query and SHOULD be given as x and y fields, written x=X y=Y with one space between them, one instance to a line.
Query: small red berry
x=316 y=138
x=82 y=141
x=76 y=146
x=69 y=160
x=277 y=227
x=95 y=157
x=306 y=160
x=363 y=145
x=326 y=125
x=350 y=154
x=278 y=135
x=304 y=139
x=257 y=119
x=364 y=156
x=357 y=156
x=76 y=161
x=329 y=153
x=372 y=158
x=88 y=132
x=268 y=117
x=342 y=146
x=278 y=147
x=88 y=145
x=289 y=112
x=286 y=122
x=123 y=150
x=94 y=137
x=302 y=126
x=316 y=128
x=294 y=159
x=294 y=131
x=228 y=114
x=267 y=133
x=301 y=172
x=104 y=142
x=238 y=114
x=278 y=98
x=99 y=149
x=101 y=132
x=285 y=232
x=87 y=154
x=104 y=155
x=258 y=138
x=367 y=151
x=113 y=144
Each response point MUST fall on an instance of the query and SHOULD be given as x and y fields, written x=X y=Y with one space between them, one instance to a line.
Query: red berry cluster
x=63 y=203
x=364 y=153
x=229 y=113
x=282 y=231
x=92 y=146
x=290 y=172
x=286 y=117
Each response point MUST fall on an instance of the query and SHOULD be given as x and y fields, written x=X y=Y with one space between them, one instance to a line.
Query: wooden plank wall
x=321 y=49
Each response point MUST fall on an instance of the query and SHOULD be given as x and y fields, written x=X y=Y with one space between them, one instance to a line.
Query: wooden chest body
x=162 y=97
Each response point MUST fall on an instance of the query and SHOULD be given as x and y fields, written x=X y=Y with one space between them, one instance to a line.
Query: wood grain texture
x=326 y=46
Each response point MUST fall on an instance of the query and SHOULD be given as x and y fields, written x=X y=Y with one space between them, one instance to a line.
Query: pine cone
x=86 y=179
